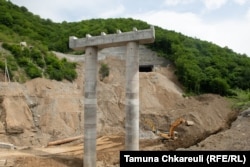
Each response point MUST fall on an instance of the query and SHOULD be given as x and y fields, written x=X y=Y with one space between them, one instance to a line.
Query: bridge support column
x=90 y=107
x=132 y=96
x=91 y=45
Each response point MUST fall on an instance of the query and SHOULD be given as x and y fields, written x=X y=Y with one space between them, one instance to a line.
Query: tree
x=197 y=62
x=220 y=86
x=6 y=19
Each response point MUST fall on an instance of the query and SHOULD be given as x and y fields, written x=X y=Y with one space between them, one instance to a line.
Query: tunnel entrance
x=146 y=68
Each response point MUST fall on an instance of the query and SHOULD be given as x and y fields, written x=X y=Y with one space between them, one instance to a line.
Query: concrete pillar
x=132 y=84
x=132 y=96
x=90 y=107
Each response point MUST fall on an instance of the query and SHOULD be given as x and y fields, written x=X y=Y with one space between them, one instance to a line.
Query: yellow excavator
x=166 y=136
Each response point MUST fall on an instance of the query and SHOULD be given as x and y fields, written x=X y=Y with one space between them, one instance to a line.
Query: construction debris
x=7 y=146
x=189 y=123
x=63 y=141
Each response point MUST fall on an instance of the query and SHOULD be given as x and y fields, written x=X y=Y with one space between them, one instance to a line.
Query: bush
x=23 y=61
x=35 y=54
x=32 y=60
x=12 y=64
x=50 y=59
x=6 y=46
x=40 y=63
x=54 y=73
x=2 y=65
x=70 y=74
x=104 y=71
x=32 y=71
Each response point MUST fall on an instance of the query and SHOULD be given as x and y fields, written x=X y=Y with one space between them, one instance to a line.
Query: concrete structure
x=132 y=97
x=7 y=146
x=113 y=40
x=24 y=44
x=146 y=56
x=91 y=45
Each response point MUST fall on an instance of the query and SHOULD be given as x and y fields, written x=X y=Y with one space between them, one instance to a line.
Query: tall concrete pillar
x=90 y=107
x=132 y=84
x=132 y=96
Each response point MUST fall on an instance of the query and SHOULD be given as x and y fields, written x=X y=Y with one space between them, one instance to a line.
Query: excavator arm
x=169 y=135
x=174 y=125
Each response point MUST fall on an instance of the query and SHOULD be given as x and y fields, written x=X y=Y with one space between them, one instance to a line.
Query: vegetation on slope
x=18 y=24
x=202 y=67
x=38 y=64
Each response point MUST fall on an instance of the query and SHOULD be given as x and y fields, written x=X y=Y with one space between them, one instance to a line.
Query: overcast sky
x=224 y=22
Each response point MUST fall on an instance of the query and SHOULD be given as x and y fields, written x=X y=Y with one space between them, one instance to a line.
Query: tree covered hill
x=202 y=67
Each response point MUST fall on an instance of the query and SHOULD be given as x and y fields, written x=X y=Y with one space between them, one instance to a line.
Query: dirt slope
x=39 y=111
x=235 y=138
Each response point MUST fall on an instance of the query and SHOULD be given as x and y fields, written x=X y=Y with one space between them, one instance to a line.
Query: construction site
x=41 y=121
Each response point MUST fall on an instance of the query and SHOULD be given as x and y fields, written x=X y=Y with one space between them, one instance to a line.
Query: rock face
x=42 y=110
x=38 y=111
x=18 y=116
x=245 y=113
x=15 y=114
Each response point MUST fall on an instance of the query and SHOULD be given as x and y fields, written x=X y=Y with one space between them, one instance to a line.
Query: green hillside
x=201 y=66
x=34 y=60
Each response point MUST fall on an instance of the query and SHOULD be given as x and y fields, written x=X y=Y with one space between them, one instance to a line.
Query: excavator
x=166 y=136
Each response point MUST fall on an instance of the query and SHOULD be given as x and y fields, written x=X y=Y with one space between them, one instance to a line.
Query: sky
x=223 y=22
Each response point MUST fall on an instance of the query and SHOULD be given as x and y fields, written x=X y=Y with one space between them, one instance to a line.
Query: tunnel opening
x=146 y=68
